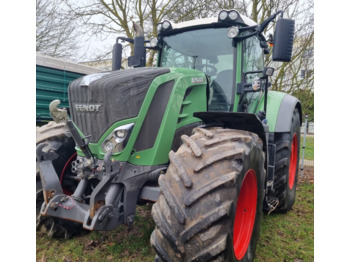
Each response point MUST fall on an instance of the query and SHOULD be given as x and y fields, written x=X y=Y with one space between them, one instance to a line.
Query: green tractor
x=200 y=134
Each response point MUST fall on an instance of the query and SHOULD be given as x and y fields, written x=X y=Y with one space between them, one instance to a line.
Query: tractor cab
x=228 y=49
x=217 y=57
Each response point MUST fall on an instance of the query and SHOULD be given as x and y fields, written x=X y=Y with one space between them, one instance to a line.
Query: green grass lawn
x=289 y=237
x=309 y=147
x=284 y=237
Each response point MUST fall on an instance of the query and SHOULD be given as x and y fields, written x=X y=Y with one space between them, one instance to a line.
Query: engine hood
x=99 y=100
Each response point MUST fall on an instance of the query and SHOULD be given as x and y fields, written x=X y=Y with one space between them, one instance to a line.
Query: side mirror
x=283 y=42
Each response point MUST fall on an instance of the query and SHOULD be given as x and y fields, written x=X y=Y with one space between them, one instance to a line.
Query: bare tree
x=56 y=33
x=104 y=17
x=115 y=16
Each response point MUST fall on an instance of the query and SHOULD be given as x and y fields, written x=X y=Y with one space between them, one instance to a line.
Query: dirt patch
x=308 y=175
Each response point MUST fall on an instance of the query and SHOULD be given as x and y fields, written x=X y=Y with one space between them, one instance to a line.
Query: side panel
x=154 y=116
x=187 y=89
x=188 y=95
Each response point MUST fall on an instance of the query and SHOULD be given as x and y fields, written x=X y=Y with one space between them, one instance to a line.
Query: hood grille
x=115 y=96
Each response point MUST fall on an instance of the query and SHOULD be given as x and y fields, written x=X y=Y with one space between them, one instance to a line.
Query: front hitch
x=103 y=212
x=50 y=183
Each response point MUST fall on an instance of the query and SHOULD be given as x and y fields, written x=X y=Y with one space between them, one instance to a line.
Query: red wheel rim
x=293 y=161
x=245 y=214
x=68 y=164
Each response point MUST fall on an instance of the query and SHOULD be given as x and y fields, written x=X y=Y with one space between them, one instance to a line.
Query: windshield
x=208 y=50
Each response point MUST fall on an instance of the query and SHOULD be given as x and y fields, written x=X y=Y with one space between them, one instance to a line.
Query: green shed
x=52 y=79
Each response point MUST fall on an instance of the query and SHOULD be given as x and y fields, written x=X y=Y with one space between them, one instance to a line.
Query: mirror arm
x=258 y=30
x=265 y=23
x=129 y=40
x=241 y=38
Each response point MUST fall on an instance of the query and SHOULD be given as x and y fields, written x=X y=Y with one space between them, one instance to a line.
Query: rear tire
x=287 y=164
x=214 y=185
x=58 y=140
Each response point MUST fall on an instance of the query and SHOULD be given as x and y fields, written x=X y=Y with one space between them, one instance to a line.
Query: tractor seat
x=220 y=87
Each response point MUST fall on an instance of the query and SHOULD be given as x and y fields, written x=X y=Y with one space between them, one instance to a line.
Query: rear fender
x=280 y=108
x=285 y=113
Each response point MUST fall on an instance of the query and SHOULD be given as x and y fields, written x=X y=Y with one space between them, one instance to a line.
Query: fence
x=306 y=145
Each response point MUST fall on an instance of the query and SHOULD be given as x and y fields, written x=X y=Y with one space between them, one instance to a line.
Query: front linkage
x=108 y=190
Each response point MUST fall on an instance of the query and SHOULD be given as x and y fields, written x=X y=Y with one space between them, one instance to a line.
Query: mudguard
x=241 y=121
x=285 y=113
x=280 y=107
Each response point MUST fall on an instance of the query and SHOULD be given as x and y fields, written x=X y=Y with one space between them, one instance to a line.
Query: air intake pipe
x=139 y=57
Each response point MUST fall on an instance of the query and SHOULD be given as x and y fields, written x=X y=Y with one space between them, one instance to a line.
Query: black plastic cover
x=153 y=119
x=233 y=120
x=115 y=96
x=283 y=40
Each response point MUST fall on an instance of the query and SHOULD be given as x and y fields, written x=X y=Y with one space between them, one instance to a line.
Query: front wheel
x=210 y=206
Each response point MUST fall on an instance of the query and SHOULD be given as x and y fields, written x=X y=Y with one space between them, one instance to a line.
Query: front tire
x=210 y=206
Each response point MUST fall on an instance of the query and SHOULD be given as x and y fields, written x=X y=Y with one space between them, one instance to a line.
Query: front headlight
x=117 y=140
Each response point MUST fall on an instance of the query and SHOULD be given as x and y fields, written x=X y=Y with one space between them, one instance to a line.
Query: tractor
x=201 y=134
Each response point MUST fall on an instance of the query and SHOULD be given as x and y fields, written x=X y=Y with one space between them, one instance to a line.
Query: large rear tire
x=59 y=140
x=210 y=206
x=287 y=164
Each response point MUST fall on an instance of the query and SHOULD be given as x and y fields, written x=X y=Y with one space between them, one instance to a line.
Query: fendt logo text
x=87 y=108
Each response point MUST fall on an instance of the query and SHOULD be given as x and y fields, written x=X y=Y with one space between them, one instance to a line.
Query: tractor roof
x=224 y=18
x=211 y=20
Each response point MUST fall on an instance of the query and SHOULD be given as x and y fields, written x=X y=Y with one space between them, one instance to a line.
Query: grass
x=289 y=237
x=121 y=244
x=309 y=147
x=284 y=237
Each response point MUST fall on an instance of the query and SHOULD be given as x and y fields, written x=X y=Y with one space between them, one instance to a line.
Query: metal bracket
x=271 y=167
x=44 y=156
x=49 y=179
x=111 y=167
